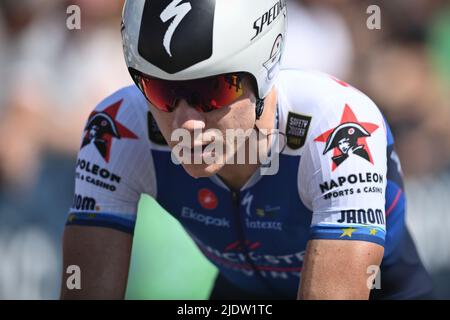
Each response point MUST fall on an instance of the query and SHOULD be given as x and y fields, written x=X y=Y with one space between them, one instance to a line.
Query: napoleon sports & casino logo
x=348 y=138
x=102 y=127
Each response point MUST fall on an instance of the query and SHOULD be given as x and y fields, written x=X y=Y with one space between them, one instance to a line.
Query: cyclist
x=314 y=218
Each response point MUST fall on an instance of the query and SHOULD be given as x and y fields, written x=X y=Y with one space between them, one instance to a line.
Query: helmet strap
x=259 y=108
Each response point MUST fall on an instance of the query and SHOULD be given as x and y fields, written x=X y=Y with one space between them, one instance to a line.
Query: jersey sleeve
x=114 y=165
x=342 y=176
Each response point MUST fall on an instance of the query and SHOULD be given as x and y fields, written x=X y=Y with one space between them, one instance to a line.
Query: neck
x=236 y=175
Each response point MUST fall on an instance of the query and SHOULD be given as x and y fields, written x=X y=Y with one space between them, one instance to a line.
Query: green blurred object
x=439 y=43
x=165 y=262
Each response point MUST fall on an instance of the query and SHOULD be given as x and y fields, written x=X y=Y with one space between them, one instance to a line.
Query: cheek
x=241 y=115
x=164 y=121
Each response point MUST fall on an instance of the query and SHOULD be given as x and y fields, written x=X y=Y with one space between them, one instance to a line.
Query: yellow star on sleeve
x=373 y=231
x=347 y=232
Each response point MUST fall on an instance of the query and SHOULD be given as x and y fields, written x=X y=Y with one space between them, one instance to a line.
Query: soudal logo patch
x=181 y=33
x=102 y=127
x=348 y=138
x=297 y=130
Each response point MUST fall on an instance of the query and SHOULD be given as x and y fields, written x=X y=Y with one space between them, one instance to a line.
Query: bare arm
x=337 y=269
x=103 y=256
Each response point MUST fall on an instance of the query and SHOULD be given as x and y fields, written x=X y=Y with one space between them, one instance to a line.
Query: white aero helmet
x=192 y=39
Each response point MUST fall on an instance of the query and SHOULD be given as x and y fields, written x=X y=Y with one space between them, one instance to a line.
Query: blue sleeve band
x=349 y=232
x=107 y=220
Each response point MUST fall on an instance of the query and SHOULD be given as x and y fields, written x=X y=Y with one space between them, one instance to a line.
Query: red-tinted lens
x=222 y=90
x=159 y=93
x=205 y=94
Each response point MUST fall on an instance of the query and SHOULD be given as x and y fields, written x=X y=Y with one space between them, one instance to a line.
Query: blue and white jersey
x=338 y=178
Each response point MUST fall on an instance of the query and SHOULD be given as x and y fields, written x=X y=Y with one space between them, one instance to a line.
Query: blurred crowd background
x=52 y=77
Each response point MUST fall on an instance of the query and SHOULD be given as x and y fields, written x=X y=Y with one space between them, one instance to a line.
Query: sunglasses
x=205 y=94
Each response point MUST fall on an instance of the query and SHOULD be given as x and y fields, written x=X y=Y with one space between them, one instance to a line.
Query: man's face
x=93 y=132
x=344 y=145
x=238 y=115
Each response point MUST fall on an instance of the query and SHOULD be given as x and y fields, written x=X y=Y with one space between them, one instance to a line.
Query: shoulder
x=131 y=106
x=320 y=94
x=319 y=102
x=127 y=100
x=341 y=137
x=118 y=121
x=114 y=165
x=114 y=144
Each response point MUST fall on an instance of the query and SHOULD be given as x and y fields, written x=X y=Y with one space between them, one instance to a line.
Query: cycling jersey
x=338 y=178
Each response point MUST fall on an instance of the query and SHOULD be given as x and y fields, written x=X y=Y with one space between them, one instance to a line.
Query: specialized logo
x=181 y=33
x=261 y=213
x=102 y=127
x=177 y=13
x=348 y=138
x=247 y=202
x=207 y=199
x=263 y=22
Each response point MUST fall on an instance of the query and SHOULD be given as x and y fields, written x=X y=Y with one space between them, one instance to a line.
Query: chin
x=202 y=170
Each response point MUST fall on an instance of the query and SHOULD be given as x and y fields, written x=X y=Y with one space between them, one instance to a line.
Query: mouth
x=196 y=152
x=195 y=147
x=203 y=153
x=198 y=149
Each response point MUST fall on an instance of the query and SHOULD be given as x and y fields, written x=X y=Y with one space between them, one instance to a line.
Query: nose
x=187 y=117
